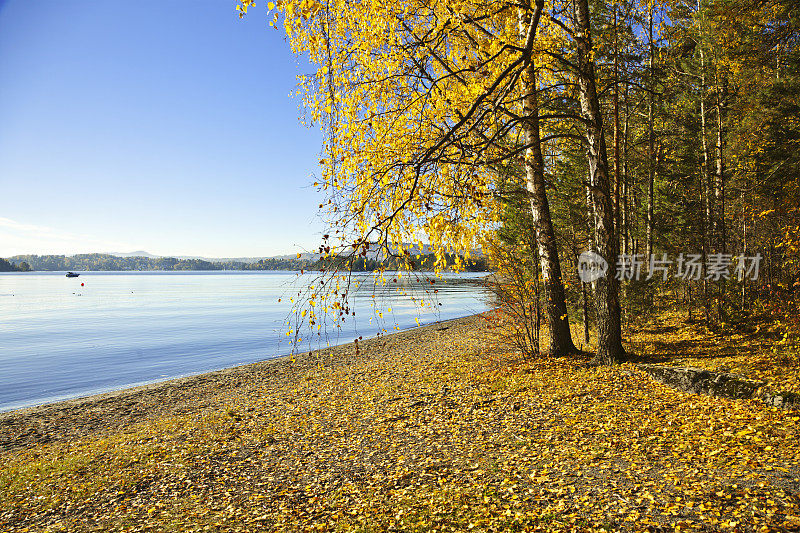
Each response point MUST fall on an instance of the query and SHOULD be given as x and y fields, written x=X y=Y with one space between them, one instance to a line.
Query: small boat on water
x=72 y=275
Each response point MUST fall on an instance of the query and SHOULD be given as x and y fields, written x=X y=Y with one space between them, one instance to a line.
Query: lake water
x=59 y=339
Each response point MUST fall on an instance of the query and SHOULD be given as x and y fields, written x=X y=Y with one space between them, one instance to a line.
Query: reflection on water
x=59 y=339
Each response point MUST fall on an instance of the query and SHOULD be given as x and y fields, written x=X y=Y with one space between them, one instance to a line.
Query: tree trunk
x=705 y=188
x=744 y=252
x=651 y=164
x=585 y=314
x=626 y=216
x=584 y=297
x=555 y=301
x=537 y=345
x=609 y=329
x=719 y=183
x=617 y=209
x=719 y=200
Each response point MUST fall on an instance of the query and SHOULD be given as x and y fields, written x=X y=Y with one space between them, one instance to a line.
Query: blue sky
x=159 y=126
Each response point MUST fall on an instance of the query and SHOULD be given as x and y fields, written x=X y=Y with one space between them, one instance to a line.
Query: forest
x=7 y=266
x=659 y=137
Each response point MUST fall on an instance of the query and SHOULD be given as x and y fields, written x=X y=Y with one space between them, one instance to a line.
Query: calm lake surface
x=61 y=340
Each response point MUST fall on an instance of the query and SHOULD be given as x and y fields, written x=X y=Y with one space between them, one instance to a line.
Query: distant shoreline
x=98 y=262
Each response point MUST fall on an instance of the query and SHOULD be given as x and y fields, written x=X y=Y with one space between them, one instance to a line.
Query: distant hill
x=94 y=262
x=372 y=254
x=140 y=253
x=129 y=261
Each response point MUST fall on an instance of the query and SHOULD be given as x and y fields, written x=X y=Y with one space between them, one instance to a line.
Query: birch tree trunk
x=625 y=229
x=651 y=164
x=617 y=208
x=705 y=185
x=719 y=182
x=554 y=297
x=609 y=330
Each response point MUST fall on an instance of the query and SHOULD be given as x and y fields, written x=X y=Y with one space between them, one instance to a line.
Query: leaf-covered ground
x=435 y=430
x=759 y=349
